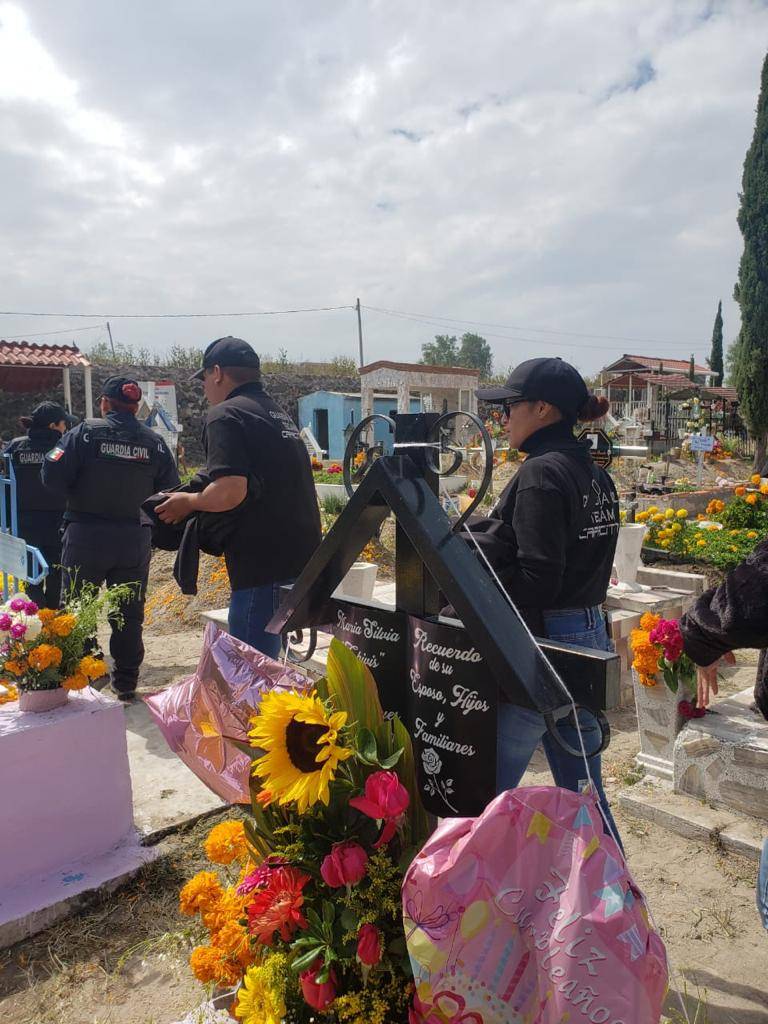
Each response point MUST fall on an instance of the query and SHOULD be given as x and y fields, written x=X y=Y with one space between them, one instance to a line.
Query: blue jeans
x=520 y=730
x=762 y=887
x=250 y=610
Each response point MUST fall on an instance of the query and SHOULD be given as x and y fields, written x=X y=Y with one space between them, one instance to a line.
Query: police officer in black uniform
x=40 y=510
x=105 y=468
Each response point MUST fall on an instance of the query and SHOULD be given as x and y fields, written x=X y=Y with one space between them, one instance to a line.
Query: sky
x=561 y=176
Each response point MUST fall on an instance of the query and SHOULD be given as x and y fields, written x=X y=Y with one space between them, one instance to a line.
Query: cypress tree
x=716 y=354
x=692 y=368
x=751 y=291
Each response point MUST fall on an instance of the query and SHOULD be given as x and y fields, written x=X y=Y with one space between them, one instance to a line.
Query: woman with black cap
x=551 y=539
x=40 y=510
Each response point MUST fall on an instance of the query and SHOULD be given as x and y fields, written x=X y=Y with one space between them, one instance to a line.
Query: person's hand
x=706 y=678
x=175 y=507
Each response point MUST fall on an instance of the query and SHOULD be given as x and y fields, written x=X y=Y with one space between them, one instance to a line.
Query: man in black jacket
x=729 y=617
x=105 y=468
x=257 y=463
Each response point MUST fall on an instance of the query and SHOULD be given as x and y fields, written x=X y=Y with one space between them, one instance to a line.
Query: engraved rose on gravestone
x=431 y=761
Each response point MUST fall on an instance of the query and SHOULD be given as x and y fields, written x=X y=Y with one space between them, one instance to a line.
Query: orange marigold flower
x=219 y=912
x=755 y=479
x=740 y=491
x=17 y=667
x=44 y=656
x=649 y=621
x=200 y=893
x=46 y=615
x=764 y=488
x=226 y=842
x=751 y=499
x=92 y=667
x=63 y=625
x=10 y=692
x=77 y=681
x=210 y=964
x=234 y=942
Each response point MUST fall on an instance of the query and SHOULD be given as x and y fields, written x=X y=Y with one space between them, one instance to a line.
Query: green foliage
x=443 y=351
x=473 y=351
x=751 y=291
x=334 y=504
x=716 y=353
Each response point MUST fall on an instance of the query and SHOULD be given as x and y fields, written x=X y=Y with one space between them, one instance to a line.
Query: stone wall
x=286 y=389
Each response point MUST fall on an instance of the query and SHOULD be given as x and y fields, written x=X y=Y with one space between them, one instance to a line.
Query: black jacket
x=39 y=510
x=552 y=535
x=731 y=616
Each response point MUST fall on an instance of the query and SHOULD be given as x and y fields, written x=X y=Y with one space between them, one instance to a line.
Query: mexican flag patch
x=55 y=454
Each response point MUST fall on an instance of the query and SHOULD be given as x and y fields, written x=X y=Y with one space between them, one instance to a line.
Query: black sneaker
x=126 y=696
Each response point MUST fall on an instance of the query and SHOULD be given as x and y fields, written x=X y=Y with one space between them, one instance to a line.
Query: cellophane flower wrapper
x=528 y=915
x=205 y=717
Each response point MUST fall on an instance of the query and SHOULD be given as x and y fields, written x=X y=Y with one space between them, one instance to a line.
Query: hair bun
x=595 y=407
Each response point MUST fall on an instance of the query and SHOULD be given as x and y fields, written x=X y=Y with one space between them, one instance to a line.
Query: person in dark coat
x=39 y=510
x=726 y=618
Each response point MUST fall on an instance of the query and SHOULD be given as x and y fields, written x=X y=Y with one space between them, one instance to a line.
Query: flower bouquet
x=657 y=646
x=44 y=653
x=306 y=914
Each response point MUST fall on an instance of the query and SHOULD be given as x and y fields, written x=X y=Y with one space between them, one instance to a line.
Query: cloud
x=565 y=165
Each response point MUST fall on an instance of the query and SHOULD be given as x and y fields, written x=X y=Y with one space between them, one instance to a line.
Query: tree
x=692 y=369
x=476 y=353
x=443 y=351
x=716 y=354
x=751 y=291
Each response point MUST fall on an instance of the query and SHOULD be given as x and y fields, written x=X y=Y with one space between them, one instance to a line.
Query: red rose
x=385 y=799
x=346 y=864
x=369 y=945
x=686 y=709
x=472 y=492
x=318 y=995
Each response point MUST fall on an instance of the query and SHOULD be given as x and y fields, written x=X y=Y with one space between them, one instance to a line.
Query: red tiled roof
x=656 y=363
x=419 y=368
x=22 y=353
x=27 y=368
x=726 y=394
x=666 y=380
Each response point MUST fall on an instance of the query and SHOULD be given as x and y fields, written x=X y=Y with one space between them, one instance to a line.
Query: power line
x=177 y=316
x=45 y=334
x=428 y=317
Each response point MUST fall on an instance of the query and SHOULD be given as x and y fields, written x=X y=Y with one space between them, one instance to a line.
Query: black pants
x=113 y=553
x=47 y=594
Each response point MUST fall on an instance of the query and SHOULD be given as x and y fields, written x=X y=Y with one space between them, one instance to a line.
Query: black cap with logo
x=225 y=352
x=547 y=380
x=123 y=389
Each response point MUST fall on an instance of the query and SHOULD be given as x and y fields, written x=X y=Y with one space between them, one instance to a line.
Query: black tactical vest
x=119 y=465
x=27 y=455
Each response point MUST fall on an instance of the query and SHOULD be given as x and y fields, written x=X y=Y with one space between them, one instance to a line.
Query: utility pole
x=111 y=343
x=360 y=331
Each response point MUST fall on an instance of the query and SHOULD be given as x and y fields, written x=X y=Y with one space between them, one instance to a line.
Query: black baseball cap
x=124 y=389
x=51 y=412
x=225 y=352
x=546 y=380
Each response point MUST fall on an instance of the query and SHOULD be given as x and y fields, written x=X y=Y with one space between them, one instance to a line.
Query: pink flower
x=318 y=995
x=667 y=634
x=31 y=608
x=18 y=604
x=346 y=864
x=5 y=622
x=699 y=712
x=18 y=629
x=369 y=945
x=260 y=877
x=385 y=799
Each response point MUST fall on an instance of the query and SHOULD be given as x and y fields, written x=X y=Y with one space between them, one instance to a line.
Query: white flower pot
x=658 y=723
x=39 y=701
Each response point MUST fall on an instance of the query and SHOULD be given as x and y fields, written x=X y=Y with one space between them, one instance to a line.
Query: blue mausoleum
x=328 y=413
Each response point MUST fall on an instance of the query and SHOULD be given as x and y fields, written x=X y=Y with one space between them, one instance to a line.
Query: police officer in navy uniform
x=40 y=510
x=105 y=468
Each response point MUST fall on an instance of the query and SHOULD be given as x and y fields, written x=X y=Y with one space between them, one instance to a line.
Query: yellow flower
x=652 y=509
x=302 y=755
x=93 y=668
x=764 y=488
x=641 y=517
x=755 y=479
x=682 y=513
x=658 y=517
x=665 y=543
x=676 y=528
x=734 y=548
x=77 y=681
x=734 y=533
x=751 y=499
x=8 y=692
x=256 y=1002
x=62 y=625
x=669 y=514
x=44 y=656
x=226 y=842
x=751 y=534
x=713 y=526
x=200 y=892
x=701 y=543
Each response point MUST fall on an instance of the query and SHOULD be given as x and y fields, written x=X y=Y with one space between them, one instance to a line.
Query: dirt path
x=123 y=961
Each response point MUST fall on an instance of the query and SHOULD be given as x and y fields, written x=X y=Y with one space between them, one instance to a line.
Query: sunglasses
x=508 y=403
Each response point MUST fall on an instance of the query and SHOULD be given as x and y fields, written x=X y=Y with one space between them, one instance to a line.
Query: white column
x=366 y=409
x=403 y=396
x=67 y=389
x=88 y=392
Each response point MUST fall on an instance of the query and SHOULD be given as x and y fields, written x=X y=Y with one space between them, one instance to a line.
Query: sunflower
x=257 y=1003
x=302 y=753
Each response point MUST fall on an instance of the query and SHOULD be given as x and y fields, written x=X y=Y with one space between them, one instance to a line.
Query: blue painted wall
x=343 y=409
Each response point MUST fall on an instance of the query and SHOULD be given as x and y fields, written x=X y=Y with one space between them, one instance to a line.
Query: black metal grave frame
x=435 y=567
